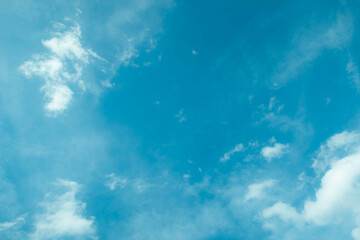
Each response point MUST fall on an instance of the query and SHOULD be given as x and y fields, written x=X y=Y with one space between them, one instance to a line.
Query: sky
x=182 y=120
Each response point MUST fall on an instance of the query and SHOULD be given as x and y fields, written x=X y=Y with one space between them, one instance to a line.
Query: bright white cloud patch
x=67 y=45
x=337 y=199
x=227 y=155
x=63 y=217
x=277 y=150
x=257 y=190
x=60 y=68
x=339 y=192
x=336 y=147
x=59 y=97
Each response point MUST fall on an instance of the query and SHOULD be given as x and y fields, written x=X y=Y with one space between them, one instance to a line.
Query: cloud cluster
x=336 y=201
x=61 y=67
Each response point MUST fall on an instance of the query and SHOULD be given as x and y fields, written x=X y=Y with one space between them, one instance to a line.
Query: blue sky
x=183 y=120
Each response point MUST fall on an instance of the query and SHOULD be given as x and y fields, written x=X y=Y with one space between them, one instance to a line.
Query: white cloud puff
x=277 y=150
x=257 y=190
x=59 y=97
x=67 y=45
x=336 y=147
x=60 y=68
x=63 y=216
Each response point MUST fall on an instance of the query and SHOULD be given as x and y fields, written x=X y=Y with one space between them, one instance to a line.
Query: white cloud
x=194 y=52
x=337 y=199
x=67 y=45
x=8 y=225
x=42 y=66
x=336 y=147
x=339 y=192
x=227 y=155
x=257 y=190
x=277 y=150
x=63 y=216
x=62 y=67
x=59 y=97
x=284 y=211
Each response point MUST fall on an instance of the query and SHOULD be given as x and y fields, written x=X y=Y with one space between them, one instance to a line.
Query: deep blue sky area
x=181 y=120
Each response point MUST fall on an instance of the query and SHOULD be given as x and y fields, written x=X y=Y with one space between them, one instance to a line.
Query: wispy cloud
x=284 y=123
x=181 y=116
x=9 y=225
x=138 y=185
x=115 y=181
x=227 y=155
x=310 y=46
x=353 y=73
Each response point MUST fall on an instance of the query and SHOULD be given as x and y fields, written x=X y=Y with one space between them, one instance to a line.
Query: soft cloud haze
x=257 y=190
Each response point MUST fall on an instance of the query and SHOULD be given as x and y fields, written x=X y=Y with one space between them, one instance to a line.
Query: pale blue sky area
x=181 y=120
